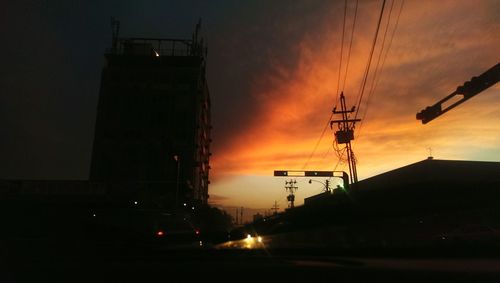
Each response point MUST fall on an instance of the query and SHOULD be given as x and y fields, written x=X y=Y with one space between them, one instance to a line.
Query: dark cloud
x=45 y=101
x=256 y=38
x=53 y=55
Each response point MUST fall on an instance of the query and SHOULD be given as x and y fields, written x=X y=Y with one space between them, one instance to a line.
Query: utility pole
x=178 y=161
x=275 y=208
x=241 y=215
x=345 y=134
x=236 y=216
x=326 y=184
x=291 y=188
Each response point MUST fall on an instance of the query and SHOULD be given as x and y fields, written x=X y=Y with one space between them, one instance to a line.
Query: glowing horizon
x=428 y=59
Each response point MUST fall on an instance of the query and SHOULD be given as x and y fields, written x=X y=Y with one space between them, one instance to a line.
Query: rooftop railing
x=157 y=47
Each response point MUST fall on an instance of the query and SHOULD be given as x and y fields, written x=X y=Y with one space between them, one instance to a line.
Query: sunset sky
x=273 y=70
x=437 y=46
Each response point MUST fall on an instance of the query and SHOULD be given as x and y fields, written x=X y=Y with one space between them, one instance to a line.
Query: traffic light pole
x=464 y=92
x=300 y=173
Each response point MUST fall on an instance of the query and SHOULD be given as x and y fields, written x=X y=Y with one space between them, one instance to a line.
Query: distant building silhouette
x=257 y=217
x=153 y=119
x=150 y=155
x=411 y=206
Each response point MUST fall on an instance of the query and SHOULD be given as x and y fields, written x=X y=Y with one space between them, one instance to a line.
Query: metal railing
x=156 y=47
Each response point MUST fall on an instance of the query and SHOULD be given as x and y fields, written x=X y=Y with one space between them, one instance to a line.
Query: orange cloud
x=433 y=52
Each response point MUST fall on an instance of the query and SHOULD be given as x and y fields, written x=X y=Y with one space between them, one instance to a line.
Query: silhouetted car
x=176 y=230
x=144 y=227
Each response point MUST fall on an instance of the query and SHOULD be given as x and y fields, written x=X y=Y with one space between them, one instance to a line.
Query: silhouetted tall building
x=153 y=118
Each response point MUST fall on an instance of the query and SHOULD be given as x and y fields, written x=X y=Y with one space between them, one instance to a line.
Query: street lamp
x=178 y=160
x=327 y=184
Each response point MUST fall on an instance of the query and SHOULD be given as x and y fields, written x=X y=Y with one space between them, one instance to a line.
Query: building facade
x=153 y=119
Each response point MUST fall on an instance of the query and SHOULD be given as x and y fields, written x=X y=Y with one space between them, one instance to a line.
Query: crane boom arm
x=468 y=90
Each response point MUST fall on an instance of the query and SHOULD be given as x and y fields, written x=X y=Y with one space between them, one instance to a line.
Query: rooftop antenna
x=115 y=29
x=196 y=46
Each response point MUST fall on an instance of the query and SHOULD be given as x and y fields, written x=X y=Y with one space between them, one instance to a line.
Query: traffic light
x=472 y=87
x=318 y=173
x=429 y=113
x=298 y=173
x=469 y=89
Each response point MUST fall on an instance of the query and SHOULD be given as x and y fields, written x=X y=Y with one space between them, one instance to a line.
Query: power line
x=341 y=51
x=319 y=140
x=383 y=64
x=346 y=132
x=350 y=45
x=340 y=152
x=367 y=70
x=326 y=153
x=375 y=72
x=337 y=94
x=338 y=162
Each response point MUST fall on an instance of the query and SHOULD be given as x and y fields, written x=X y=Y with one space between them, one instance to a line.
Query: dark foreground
x=51 y=262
